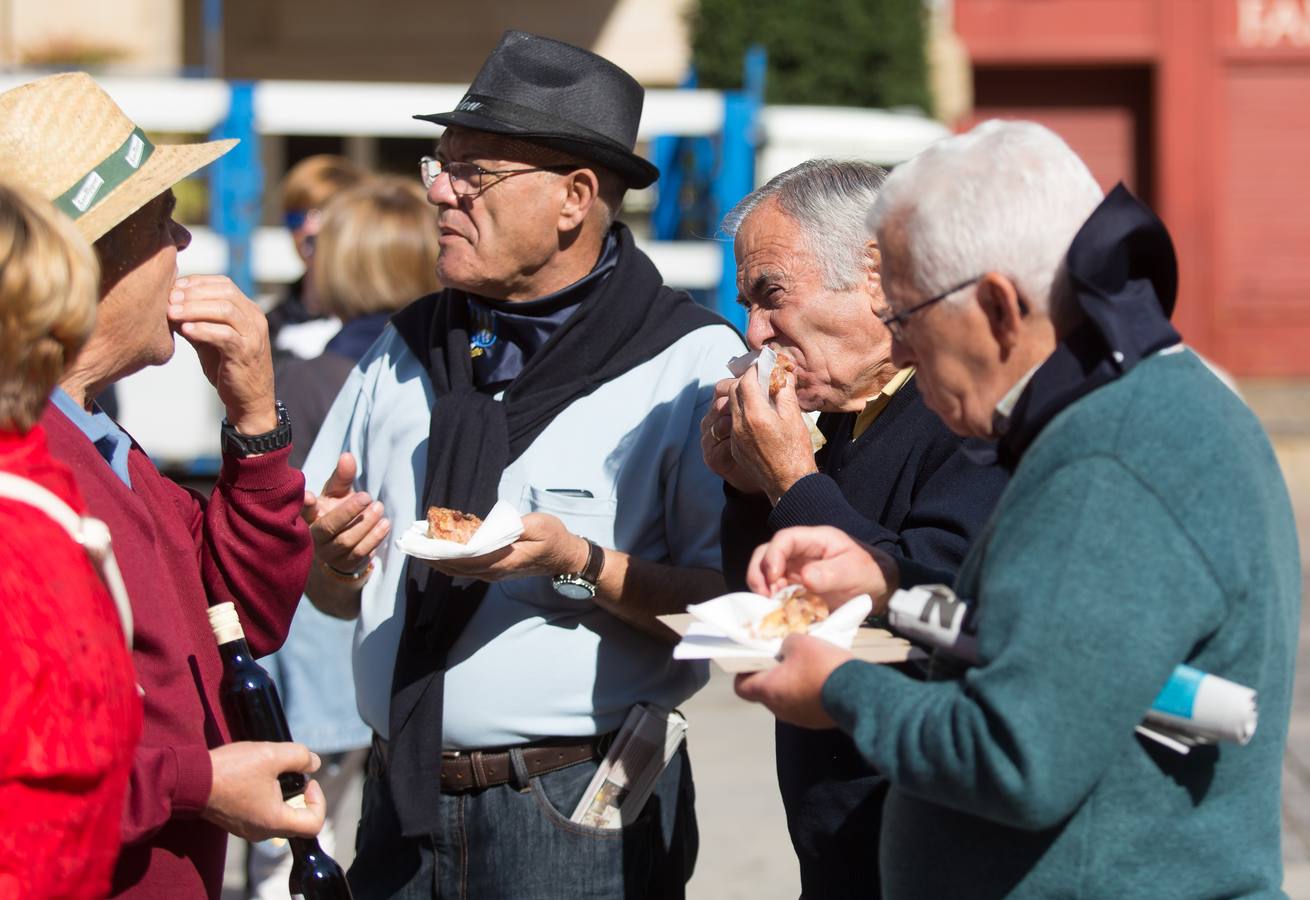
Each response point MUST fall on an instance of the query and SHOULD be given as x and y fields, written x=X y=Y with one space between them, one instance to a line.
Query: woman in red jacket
x=70 y=714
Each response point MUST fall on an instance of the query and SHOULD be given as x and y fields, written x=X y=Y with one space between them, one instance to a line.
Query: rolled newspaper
x=1206 y=706
x=1193 y=708
x=931 y=614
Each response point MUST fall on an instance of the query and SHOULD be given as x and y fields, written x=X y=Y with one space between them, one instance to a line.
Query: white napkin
x=502 y=527
x=725 y=626
x=766 y=358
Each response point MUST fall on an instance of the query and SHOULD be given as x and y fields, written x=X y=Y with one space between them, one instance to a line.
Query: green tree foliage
x=822 y=52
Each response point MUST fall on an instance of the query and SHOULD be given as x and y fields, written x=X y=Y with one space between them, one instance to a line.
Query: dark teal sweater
x=1147 y=525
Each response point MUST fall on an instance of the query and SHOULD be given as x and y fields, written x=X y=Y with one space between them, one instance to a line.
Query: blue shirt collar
x=110 y=440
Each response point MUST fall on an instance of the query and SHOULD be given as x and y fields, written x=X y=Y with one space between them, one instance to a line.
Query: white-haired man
x=1146 y=525
x=890 y=473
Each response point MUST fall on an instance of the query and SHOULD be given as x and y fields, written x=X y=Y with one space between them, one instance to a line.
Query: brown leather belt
x=471 y=770
x=474 y=769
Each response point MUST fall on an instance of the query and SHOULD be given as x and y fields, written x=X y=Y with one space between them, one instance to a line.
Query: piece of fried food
x=451 y=524
x=778 y=377
x=797 y=613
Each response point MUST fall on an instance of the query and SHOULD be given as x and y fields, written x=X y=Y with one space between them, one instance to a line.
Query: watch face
x=573 y=590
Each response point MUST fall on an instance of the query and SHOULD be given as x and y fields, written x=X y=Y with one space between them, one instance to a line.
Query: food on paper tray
x=798 y=612
x=451 y=524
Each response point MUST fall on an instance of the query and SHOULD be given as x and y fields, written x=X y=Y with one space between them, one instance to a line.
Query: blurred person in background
x=1146 y=525
x=890 y=473
x=178 y=553
x=376 y=251
x=70 y=715
x=298 y=326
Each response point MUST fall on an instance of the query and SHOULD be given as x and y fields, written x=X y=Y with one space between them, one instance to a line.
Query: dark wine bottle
x=254 y=713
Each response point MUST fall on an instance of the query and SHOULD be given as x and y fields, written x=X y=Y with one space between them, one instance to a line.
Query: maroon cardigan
x=179 y=554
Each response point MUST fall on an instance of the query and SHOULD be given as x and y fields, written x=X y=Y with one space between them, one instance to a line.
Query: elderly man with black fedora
x=557 y=374
x=65 y=138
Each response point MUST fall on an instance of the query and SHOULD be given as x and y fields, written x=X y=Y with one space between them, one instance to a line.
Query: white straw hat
x=63 y=137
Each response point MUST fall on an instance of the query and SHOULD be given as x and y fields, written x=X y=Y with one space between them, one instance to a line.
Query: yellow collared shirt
x=875 y=405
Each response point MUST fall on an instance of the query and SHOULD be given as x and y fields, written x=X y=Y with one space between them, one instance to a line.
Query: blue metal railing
x=702 y=178
x=236 y=185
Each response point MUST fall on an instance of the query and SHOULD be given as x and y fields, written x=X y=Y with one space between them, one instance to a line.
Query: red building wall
x=1203 y=108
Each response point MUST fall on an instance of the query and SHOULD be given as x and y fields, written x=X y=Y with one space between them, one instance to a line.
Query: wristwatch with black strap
x=238 y=444
x=582 y=585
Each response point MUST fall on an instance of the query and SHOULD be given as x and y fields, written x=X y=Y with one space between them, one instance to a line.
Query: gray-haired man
x=1146 y=525
x=890 y=474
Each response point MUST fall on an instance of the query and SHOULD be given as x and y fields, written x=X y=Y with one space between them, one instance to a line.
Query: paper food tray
x=502 y=527
x=872 y=645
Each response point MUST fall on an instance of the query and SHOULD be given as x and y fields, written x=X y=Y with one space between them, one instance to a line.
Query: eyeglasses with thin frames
x=467 y=179
x=895 y=322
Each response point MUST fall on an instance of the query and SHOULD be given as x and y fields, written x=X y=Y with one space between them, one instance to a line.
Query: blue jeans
x=503 y=842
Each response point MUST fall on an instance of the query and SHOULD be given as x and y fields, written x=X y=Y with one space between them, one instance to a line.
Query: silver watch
x=582 y=585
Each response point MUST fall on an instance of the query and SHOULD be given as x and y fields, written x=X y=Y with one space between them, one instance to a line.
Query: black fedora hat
x=559 y=96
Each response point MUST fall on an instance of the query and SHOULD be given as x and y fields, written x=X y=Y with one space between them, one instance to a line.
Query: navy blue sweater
x=905 y=486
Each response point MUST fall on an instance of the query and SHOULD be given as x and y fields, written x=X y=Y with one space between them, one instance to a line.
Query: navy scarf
x=1124 y=275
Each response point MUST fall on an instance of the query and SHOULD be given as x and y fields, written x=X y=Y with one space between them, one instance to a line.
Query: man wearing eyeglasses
x=890 y=473
x=1146 y=525
x=558 y=375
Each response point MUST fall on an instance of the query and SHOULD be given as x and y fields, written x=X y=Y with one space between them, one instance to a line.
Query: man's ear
x=582 y=192
x=873 y=275
x=1000 y=302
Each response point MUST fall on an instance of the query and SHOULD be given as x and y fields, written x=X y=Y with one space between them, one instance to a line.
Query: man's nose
x=441 y=193
x=181 y=237
x=758 y=330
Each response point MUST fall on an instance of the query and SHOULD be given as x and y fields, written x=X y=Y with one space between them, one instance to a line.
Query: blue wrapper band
x=1179 y=695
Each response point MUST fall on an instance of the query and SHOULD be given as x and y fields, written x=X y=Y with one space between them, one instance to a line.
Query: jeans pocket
x=583 y=862
x=558 y=800
x=541 y=855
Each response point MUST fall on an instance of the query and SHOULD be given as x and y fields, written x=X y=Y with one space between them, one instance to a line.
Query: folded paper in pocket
x=502 y=527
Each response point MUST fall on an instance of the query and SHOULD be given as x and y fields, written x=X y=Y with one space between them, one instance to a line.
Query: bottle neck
x=235 y=652
x=301 y=846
